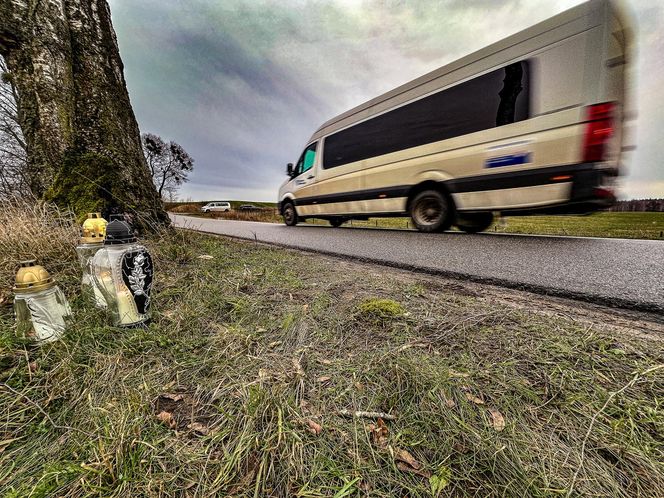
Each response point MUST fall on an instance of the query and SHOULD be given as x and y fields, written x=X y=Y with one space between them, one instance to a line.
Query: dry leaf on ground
x=379 y=433
x=313 y=427
x=404 y=467
x=297 y=366
x=497 y=419
x=167 y=419
x=450 y=403
x=325 y=379
x=405 y=456
x=474 y=399
x=200 y=428
x=172 y=397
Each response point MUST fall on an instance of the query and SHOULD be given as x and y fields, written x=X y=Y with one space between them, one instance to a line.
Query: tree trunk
x=83 y=142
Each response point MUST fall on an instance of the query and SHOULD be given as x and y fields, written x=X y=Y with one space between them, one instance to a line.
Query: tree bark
x=83 y=142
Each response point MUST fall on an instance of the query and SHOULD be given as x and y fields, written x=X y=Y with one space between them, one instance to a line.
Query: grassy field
x=615 y=225
x=239 y=386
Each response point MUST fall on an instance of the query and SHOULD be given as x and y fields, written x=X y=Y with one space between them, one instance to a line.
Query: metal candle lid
x=94 y=229
x=32 y=277
x=118 y=231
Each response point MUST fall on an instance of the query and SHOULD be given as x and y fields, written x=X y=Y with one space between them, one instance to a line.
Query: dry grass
x=267 y=215
x=236 y=388
x=31 y=229
x=185 y=208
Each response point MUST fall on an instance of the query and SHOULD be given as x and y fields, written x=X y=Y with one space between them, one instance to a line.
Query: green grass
x=253 y=353
x=607 y=224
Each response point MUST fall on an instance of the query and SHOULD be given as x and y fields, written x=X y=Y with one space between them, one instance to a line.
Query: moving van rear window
x=493 y=99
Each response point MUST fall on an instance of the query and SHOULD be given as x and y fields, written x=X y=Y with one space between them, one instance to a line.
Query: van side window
x=307 y=159
x=494 y=99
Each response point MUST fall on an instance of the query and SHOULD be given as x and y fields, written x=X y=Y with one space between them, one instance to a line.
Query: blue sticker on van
x=511 y=160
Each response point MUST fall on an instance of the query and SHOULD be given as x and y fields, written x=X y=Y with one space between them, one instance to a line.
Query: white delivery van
x=531 y=124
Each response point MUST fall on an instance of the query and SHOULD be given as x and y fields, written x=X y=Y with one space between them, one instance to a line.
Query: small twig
x=594 y=419
x=361 y=414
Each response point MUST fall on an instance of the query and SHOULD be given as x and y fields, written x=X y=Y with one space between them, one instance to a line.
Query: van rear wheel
x=474 y=222
x=430 y=212
x=289 y=214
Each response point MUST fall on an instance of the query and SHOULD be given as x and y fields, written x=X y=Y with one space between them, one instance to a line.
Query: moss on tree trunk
x=83 y=142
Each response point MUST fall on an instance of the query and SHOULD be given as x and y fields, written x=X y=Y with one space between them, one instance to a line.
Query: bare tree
x=13 y=154
x=82 y=139
x=169 y=163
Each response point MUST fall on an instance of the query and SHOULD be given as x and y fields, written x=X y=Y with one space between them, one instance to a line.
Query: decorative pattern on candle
x=137 y=274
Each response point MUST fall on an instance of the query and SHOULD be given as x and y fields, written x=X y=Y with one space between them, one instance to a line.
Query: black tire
x=431 y=211
x=289 y=214
x=336 y=222
x=206 y=211
x=474 y=222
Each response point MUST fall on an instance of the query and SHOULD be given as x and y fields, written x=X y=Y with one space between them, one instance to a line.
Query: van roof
x=408 y=91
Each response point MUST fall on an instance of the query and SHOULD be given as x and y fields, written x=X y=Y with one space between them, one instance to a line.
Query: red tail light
x=599 y=130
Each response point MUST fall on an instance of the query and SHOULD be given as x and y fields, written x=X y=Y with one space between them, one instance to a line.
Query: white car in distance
x=216 y=206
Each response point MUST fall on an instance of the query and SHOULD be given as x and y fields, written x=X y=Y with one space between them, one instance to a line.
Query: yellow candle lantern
x=92 y=239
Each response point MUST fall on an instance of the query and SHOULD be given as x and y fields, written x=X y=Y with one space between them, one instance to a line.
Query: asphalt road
x=614 y=272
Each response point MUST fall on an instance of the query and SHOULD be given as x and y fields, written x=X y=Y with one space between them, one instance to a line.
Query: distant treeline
x=656 y=205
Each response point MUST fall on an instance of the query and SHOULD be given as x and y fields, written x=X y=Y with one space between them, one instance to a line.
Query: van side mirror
x=289 y=169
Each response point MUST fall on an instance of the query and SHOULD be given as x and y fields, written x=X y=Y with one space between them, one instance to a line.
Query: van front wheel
x=289 y=214
x=475 y=222
x=430 y=212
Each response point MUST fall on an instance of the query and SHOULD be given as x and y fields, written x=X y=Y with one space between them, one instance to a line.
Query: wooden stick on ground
x=361 y=414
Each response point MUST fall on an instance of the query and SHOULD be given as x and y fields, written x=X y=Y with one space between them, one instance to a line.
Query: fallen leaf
x=497 y=419
x=450 y=403
x=404 y=456
x=260 y=330
x=200 y=428
x=379 y=433
x=172 y=397
x=474 y=399
x=324 y=380
x=298 y=367
x=326 y=362
x=274 y=344
x=167 y=419
x=313 y=427
x=404 y=467
x=32 y=366
x=205 y=256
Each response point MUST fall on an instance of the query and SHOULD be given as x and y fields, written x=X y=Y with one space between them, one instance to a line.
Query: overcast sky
x=242 y=84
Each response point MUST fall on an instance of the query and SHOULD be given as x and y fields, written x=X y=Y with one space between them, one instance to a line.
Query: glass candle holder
x=123 y=272
x=39 y=304
x=92 y=239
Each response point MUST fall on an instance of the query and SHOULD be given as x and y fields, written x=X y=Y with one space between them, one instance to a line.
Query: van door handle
x=310 y=177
